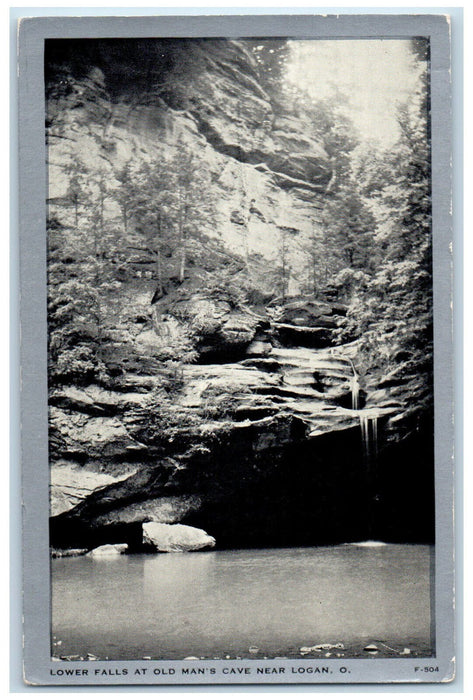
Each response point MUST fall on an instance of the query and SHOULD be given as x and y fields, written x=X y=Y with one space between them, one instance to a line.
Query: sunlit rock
x=70 y=484
x=176 y=538
x=108 y=550
x=90 y=437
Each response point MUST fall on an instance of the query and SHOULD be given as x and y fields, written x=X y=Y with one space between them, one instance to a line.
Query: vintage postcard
x=237 y=433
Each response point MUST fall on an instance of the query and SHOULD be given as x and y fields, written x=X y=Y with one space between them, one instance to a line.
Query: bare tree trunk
x=159 y=268
x=284 y=266
x=182 y=265
x=183 y=221
x=159 y=262
x=98 y=309
x=246 y=218
x=182 y=256
x=246 y=243
x=314 y=256
x=244 y=208
x=326 y=259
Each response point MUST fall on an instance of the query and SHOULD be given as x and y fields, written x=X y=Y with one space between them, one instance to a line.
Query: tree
x=332 y=128
x=271 y=56
x=77 y=189
x=193 y=204
x=283 y=269
x=125 y=193
x=349 y=228
x=394 y=312
x=315 y=252
x=167 y=205
x=104 y=244
x=343 y=238
x=81 y=287
x=151 y=201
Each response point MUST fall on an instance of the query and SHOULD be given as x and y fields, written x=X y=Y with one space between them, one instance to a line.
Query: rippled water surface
x=217 y=604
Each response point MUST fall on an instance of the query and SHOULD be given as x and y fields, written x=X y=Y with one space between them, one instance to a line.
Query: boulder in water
x=176 y=538
x=108 y=550
x=61 y=553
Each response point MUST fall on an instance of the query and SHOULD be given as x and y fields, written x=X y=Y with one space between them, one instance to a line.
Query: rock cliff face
x=256 y=442
x=110 y=100
x=266 y=451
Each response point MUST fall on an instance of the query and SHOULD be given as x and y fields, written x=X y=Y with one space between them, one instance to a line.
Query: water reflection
x=216 y=603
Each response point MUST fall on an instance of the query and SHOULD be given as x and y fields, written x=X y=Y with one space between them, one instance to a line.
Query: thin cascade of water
x=369 y=434
x=355 y=393
x=365 y=436
x=369 y=442
x=374 y=421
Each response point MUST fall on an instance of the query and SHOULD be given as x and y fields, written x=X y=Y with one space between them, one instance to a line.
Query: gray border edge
x=33 y=279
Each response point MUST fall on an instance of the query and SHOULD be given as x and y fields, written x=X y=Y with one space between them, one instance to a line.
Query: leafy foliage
x=81 y=277
x=160 y=234
x=393 y=309
x=147 y=224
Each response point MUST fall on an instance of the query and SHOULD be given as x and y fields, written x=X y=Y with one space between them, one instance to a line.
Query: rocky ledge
x=272 y=449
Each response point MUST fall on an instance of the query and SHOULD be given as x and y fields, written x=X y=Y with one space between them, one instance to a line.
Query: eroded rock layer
x=258 y=441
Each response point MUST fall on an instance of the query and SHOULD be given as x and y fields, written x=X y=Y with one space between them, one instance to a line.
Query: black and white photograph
x=240 y=348
x=240 y=356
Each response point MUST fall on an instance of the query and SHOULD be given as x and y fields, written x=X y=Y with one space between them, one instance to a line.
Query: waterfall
x=369 y=444
x=365 y=436
x=369 y=435
x=355 y=393
x=374 y=421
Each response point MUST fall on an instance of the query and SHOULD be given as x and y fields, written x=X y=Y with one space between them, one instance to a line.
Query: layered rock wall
x=253 y=444
x=109 y=102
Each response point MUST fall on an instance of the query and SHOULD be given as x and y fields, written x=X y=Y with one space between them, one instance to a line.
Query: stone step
x=298 y=381
x=294 y=392
x=287 y=366
x=312 y=373
x=300 y=374
x=334 y=382
x=306 y=356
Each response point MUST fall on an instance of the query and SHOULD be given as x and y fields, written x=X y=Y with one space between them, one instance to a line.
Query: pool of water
x=244 y=603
